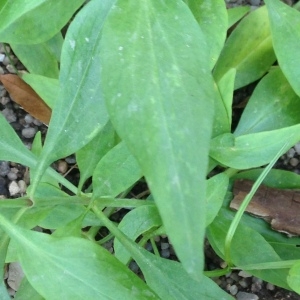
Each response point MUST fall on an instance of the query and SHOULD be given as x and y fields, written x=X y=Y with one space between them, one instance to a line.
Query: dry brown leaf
x=281 y=208
x=26 y=97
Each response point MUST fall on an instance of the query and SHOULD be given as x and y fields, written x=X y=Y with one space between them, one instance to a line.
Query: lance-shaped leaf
x=73 y=268
x=160 y=97
x=21 y=21
x=80 y=112
x=285 y=29
x=212 y=18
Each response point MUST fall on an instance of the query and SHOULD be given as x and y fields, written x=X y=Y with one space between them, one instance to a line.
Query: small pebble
x=165 y=253
x=233 y=290
x=4 y=100
x=246 y=296
x=270 y=286
x=11 y=69
x=15 y=275
x=223 y=264
x=29 y=132
x=71 y=159
x=164 y=246
x=37 y=122
x=4 y=168
x=23 y=186
x=294 y=161
x=9 y=115
x=243 y=283
x=234 y=276
x=244 y=274
x=3 y=189
x=62 y=167
x=133 y=266
x=12 y=176
x=13 y=188
x=2 y=56
x=28 y=119
x=291 y=153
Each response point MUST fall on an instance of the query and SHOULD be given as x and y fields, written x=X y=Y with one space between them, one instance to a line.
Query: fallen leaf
x=26 y=97
x=281 y=208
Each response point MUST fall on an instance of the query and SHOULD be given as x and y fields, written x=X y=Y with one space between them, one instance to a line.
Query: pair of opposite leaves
x=26 y=97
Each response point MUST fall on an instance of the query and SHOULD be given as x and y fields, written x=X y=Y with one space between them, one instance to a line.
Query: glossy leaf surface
x=163 y=91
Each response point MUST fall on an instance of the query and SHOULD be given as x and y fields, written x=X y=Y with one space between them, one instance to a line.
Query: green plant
x=145 y=88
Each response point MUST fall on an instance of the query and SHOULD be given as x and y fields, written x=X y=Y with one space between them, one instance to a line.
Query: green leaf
x=116 y=171
x=170 y=281
x=285 y=29
x=27 y=292
x=252 y=150
x=88 y=157
x=250 y=54
x=46 y=88
x=258 y=249
x=86 y=270
x=161 y=88
x=273 y=105
x=38 y=58
x=135 y=223
x=294 y=278
x=226 y=88
x=236 y=13
x=80 y=112
x=216 y=190
x=11 y=147
x=280 y=179
x=211 y=15
x=21 y=22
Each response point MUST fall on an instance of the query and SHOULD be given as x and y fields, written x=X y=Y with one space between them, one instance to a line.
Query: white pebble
x=291 y=153
x=28 y=132
x=11 y=69
x=294 y=161
x=12 y=176
x=246 y=296
x=28 y=119
x=270 y=286
x=244 y=274
x=233 y=290
x=2 y=57
x=9 y=115
x=13 y=188
x=22 y=185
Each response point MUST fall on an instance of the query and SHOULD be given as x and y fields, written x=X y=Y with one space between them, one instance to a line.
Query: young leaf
x=88 y=157
x=161 y=88
x=21 y=22
x=80 y=112
x=285 y=29
x=216 y=190
x=116 y=171
x=39 y=58
x=226 y=88
x=250 y=54
x=73 y=268
x=25 y=96
x=236 y=13
x=245 y=151
x=212 y=18
x=273 y=105
x=135 y=223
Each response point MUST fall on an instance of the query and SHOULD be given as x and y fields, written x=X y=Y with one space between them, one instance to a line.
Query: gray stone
x=28 y=132
x=246 y=296
x=4 y=168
